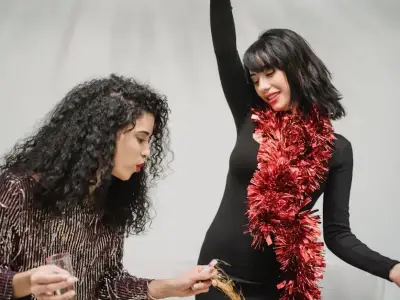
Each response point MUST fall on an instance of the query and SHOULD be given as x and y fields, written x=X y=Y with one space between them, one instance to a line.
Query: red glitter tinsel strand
x=292 y=162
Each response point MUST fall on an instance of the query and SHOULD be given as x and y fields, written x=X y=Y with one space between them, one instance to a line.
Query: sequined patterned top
x=28 y=236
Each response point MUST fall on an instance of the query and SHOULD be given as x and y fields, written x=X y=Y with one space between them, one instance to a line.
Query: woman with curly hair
x=79 y=186
x=286 y=156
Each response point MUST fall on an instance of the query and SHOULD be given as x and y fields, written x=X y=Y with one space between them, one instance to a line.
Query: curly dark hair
x=78 y=139
x=309 y=79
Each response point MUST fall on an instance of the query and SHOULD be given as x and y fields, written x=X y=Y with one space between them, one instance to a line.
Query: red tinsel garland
x=292 y=162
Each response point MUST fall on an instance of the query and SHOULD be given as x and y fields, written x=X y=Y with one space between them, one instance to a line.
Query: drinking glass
x=62 y=260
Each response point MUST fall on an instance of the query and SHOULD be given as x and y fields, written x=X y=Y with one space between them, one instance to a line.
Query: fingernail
x=213 y=263
x=72 y=279
x=206 y=269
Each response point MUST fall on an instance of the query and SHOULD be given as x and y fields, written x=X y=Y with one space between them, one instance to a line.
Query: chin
x=279 y=108
x=124 y=177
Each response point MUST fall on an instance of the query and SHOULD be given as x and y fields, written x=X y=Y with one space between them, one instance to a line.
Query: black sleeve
x=337 y=232
x=237 y=91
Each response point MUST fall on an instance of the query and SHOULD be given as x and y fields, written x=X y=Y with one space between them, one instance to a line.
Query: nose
x=264 y=85
x=146 y=151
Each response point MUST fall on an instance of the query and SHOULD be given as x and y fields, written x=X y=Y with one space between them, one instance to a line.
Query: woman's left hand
x=194 y=282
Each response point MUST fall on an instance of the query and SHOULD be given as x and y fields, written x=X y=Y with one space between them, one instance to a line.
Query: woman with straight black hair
x=286 y=155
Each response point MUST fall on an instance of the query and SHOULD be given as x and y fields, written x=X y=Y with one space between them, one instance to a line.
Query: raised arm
x=237 y=91
x=337 y=233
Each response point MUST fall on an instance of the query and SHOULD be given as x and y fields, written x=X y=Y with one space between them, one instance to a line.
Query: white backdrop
x=48 y=46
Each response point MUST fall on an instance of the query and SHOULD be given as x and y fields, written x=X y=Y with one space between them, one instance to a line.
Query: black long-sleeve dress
x=257 y=271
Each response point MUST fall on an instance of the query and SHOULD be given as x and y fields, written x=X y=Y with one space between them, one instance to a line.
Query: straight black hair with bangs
x=308 y=77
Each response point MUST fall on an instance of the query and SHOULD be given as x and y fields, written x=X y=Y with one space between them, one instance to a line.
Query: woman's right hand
x=43 y=282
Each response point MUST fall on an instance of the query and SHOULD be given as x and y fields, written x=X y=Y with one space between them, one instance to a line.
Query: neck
x=293 y=108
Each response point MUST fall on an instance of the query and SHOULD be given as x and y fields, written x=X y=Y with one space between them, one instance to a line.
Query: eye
x=269 y=72
x=141 y=141
x=254 y=79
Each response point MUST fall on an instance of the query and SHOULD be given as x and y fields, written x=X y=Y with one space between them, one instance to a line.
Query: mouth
x=139 y=167
x=272 y=97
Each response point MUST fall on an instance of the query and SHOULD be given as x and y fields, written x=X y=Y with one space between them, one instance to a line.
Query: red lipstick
x=272 y=97
x=139 y=167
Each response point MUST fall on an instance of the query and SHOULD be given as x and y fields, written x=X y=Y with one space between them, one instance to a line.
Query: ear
x=120 y=134
x=118 y=139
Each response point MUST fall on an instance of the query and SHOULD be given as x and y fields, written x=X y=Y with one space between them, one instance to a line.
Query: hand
x=43 y=282
x=394 y=274
x=194 y=282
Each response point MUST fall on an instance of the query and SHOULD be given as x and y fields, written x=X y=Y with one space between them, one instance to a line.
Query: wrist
x=160 y=289
x=21 y=284
x=393 y=272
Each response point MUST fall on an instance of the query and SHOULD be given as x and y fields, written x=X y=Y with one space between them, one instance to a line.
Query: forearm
x=347 y=247
x=222 y=27
x=122 y=285
x=160 y=289
x=234 y=84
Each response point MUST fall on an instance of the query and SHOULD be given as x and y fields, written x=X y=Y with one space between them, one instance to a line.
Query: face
x=133 y=147
x=272 y=87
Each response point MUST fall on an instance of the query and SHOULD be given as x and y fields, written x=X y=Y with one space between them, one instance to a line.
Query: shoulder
x=13 y=189
x=341 y=142
x=343 y=151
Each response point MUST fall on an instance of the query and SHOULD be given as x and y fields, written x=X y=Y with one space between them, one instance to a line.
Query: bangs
x=261 y=56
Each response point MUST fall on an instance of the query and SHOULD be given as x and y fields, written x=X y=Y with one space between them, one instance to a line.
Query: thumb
x=211 y=265
x=202 y=268
x=202 y=273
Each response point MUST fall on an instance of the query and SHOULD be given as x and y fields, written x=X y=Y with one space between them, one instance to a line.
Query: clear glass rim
x=57 y=257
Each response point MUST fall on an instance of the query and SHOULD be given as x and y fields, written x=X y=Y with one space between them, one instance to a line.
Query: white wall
x=47 y=46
